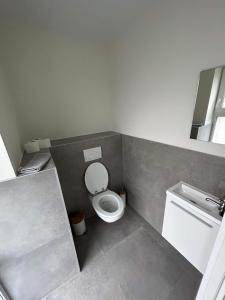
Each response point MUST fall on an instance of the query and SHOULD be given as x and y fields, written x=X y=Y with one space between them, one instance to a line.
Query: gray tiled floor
x=128 y=260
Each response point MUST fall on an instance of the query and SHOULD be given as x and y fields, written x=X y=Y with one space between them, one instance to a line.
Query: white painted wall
x=156 y=67
x=60 y=84
x=9 y=133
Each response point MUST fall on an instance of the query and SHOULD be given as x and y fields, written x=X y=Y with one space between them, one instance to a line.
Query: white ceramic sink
x=197 y=198
x=191 y=223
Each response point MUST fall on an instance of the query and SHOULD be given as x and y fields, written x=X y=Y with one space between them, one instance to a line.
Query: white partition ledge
x=6 y=168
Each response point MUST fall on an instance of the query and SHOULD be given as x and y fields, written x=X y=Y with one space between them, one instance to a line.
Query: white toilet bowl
x=108 y=205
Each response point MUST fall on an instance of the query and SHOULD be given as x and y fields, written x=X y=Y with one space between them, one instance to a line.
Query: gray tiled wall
x=150 y=168
x=69 y=160
x=37 y=252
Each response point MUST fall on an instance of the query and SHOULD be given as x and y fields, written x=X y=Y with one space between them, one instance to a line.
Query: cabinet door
x=192 y=234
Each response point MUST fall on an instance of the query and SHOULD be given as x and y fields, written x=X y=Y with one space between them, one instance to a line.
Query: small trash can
x=77 y=221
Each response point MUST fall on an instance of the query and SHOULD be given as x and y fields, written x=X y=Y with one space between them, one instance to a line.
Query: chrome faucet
x=220 y=203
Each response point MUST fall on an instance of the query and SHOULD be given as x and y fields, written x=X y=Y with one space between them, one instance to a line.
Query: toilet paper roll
x=32 y=147
x=43 y=143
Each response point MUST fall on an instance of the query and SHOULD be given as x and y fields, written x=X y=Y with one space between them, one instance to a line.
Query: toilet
x=108 y=205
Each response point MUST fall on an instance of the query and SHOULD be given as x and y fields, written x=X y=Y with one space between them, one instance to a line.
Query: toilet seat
x=108 y=205
x=96 y=178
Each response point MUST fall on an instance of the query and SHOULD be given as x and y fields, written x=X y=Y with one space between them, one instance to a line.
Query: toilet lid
x=96 y=178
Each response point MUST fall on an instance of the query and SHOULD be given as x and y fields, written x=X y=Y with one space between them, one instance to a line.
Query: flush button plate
x=92 y=154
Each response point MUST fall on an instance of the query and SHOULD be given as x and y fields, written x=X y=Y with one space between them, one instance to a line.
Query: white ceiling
x=92 y=18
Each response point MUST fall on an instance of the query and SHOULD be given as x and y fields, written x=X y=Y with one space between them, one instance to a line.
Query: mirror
x=209 y=115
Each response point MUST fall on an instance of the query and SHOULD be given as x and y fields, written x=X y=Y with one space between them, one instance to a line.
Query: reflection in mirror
x=209 y=115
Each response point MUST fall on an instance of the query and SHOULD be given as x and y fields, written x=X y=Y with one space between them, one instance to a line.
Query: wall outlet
x=92 y=154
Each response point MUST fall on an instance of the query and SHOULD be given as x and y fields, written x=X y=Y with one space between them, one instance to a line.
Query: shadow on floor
x=101 y=236
x=128 y=259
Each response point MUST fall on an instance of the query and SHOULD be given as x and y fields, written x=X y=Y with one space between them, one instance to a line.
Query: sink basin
x=197 y=198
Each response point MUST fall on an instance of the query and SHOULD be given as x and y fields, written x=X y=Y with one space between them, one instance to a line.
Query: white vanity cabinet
x=190 y=224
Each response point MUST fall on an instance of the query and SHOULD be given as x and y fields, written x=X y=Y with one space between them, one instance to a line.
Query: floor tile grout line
x=73 y=277
x=123 y=240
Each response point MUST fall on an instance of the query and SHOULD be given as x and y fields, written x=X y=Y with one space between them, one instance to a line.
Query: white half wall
x=60 y=84
x=6 y=170
x=9 y=133
x=156 y=65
